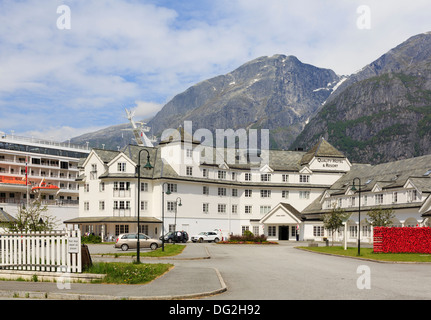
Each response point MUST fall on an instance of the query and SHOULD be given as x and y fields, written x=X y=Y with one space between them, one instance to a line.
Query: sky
x=71 y=67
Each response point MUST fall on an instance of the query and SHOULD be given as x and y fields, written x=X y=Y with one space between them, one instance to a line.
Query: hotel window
x=93 y=172
x=379 y=198
x=124 y=204
x=247 y=176
x=205 y=173
x=244 y=229
x=366 y=231
x=285 y=194
x=353 y=231
x=234 y=209
x=318 y=231
x=86 y=187
x=189 y=153
x=86 y=206
x=144 y=205
x=221 y=192
x=265 y=177
x=170 y=205
x=189 y=171
x=102 y=205
x=172 y=187
x=394 y=197
x=221 y=174
x=205 y=207
x=143 y=228
x=265 y=209
x=414 y=194
x=205 y=190
x=365 y=200
x=293 y=230
x=272 y=231
x=221 y=208
x=144 y=186
x=234 y=192
x=285 y=178
x=233 y=176
x=248 y=209
x=247 y=193
x=265 y=193
x=121 y=167
x=304 y=178
x=256 y=230
x=121 y=185
x=121 y=228
x=304 y=194
x=102 y=186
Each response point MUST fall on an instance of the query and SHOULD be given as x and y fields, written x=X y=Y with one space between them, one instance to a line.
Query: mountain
x=279 y=93
x=110 y=138
x=383 y=112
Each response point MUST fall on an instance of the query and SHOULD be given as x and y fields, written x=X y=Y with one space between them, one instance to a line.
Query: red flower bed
x=397 y=240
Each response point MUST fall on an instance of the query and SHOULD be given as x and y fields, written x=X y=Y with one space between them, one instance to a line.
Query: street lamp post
x=168 y=192
x=176 y=206
x=147 y=166
x=359 y=212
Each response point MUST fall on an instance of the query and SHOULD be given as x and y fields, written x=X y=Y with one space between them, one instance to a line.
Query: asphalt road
x=281 y=272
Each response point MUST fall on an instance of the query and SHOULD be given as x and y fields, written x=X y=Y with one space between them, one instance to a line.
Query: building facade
x=35 y=169
x=281 y=194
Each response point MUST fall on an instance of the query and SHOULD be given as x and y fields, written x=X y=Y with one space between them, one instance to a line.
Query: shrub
x=247 y=237
x=91 y=239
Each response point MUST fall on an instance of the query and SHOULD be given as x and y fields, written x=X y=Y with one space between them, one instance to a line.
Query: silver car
x=129 y=240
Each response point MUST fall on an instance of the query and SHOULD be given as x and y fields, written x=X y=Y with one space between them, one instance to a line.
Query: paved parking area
x=281 y=272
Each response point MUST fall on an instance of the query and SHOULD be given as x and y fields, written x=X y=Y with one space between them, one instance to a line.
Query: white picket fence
x=53 y=251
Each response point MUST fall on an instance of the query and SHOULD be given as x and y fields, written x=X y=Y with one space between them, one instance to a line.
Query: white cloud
x=58 y=134
x=131 y=53
x=144 y=109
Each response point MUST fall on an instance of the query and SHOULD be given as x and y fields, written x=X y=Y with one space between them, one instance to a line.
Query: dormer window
x=265 y=177
x=221 y=174
x=304 y=178
x=121 y=167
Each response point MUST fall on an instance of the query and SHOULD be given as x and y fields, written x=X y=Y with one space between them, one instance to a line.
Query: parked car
x=206 y=236
x=128 y=241
x=177 y=236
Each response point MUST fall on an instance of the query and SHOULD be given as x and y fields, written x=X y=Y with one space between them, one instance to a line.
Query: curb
x=80 y=296
x=364 y=259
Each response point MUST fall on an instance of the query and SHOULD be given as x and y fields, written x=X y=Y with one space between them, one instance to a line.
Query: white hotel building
x=279 y=197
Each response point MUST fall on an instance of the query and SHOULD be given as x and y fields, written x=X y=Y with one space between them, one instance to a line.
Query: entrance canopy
x=282 y=214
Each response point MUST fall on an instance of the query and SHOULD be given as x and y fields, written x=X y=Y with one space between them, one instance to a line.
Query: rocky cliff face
x=383 y=112
x=279 y=93
x=379 y=114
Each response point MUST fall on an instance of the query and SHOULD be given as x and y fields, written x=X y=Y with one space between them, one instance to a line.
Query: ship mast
x=139 y=132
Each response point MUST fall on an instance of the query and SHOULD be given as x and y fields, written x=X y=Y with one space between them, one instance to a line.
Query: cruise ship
x=32 y=168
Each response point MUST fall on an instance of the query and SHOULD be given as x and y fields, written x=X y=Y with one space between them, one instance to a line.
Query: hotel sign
x=331 y=163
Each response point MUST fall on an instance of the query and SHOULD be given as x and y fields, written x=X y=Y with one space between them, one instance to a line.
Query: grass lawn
x=128 y=273
x=368 y=253
x=170 y=250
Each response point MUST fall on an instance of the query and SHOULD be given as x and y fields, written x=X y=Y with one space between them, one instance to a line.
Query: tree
x=33 y=218
x=379 y=217
x=333 y=221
